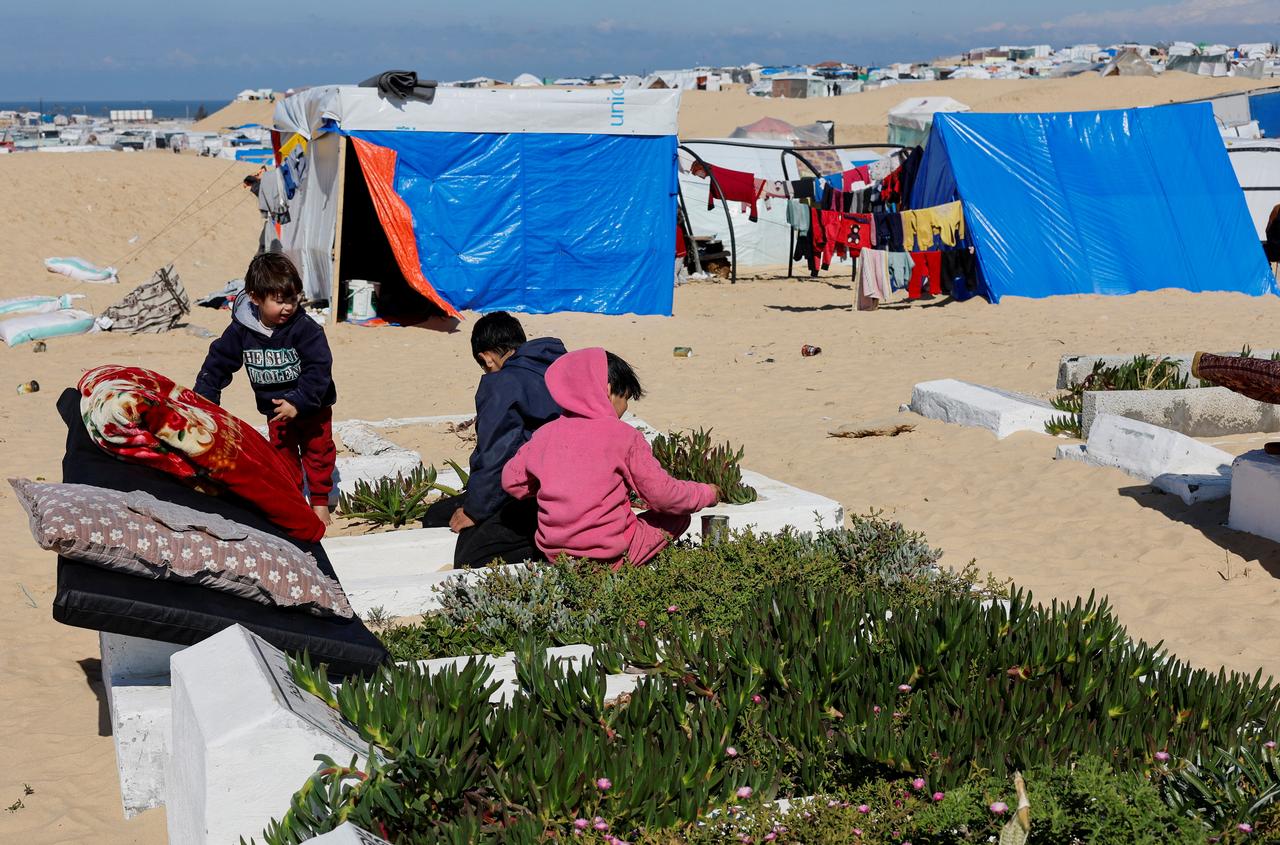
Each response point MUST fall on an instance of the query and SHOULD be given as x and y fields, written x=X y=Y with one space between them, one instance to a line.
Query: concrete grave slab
x=1074 y=368
x=347 y=834
x=135 y=674
x=1255 y=495
x=1172 y=462
x=244 y=738
x=392 y=569
x=999 y=411
x=779 y=506
x=504 y=670
x=1195 y=412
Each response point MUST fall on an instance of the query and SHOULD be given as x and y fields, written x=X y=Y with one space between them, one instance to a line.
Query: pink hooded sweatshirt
x=582 y=465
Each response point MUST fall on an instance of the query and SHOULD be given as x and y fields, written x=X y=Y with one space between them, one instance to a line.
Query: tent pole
x=687 y=226
x=335 y=284
x=733 y=243
x=791 y=232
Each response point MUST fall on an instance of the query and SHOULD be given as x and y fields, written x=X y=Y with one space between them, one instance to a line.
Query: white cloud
x=1185 y=13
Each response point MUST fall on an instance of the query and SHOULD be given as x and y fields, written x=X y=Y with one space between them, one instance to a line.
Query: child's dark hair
x=497 y=332
x=623 y=382
x=272 y=274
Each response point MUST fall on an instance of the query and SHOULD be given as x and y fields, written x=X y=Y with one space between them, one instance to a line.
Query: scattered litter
x=17 y=330
x=222 y=298
x=888 y=427
x=81 y=270
x=40 y=346
x=682 y=352
x=32 y=386
x=199 y=331
x=134 y=239
x=809 y=351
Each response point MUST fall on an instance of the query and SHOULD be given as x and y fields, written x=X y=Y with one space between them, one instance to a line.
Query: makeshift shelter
x=909 y=121
x=534 y=200
x=1257 y=168
x=527 y=80
x=773 y=129
x=1128 y=63
x=1108 y=202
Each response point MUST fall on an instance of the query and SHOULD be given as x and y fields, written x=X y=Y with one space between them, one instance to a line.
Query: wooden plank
x=337 y=303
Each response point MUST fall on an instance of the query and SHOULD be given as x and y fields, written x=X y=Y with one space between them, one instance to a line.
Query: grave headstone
x=245 y=736
x=347 y=834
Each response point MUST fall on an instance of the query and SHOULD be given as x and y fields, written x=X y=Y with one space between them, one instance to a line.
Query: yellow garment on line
x=920 y=226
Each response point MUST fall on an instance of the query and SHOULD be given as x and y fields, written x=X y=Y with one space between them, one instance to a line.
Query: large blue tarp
x=1265 y=108
x=541 y=223
x=1108 y=202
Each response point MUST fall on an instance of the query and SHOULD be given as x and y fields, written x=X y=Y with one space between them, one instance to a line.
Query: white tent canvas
x=910 y=120
x=1257 y=166
x=526 y=80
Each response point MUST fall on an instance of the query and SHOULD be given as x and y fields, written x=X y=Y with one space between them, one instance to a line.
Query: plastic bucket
x=361 y=299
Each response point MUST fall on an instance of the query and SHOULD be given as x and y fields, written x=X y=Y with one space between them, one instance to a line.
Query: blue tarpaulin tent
x=1108 y=202
x=525 y=200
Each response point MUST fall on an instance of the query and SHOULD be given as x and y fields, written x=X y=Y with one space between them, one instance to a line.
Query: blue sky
x=140 y=49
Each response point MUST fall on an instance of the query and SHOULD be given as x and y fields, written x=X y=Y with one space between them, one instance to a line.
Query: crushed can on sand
x=682 y=351
x=809 y=351
x=39 y=347
x=32 y=386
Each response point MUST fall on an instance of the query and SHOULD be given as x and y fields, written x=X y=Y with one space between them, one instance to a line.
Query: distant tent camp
x=1108 y=202
x=527 y=80
x=528 y=200
x=909 y=121
x=1200 y=65
x=1128 y=63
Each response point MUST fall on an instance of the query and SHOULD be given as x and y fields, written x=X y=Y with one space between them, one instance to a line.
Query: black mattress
x=170 y=611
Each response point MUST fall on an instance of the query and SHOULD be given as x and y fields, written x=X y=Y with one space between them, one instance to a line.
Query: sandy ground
x=1061 y=529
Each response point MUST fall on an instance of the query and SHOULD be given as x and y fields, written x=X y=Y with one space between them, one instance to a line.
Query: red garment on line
x=856 y=175
x=928 y=265
x=736 y=186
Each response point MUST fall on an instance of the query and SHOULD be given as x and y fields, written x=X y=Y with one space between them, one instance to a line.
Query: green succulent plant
x=692 y=456
x=396 y=501
x=1142 y=373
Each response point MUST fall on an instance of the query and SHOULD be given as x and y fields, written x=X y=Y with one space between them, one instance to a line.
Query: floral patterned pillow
x=142 y=535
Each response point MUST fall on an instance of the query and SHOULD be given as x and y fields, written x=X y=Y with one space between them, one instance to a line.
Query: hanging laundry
x=798 y=216
x=928 y=268
x=802 y=189
x=874 y=270
x=734 y=186
x=777 y=188
x=889 y=231
x=860 y=232
x=855 y=176
x=898 y=267
x=907 y=175
x=960 y=274
x=921 y=226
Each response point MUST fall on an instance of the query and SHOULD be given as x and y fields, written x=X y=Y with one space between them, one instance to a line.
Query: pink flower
x=904 y=687
x=731 y=752
x=863 y=808
x=999 y=808
x=1244 y=827
x=756 y=699
x=833 y=802
x=604 y=783
x=875 y=708
x=671 y=608
x=643 y=624
x=746 y=840
x=938 y=796
x=1271 y=743
x=1162 y=756
x=917 y=784
x=744 y=792
x=581 y=824
x=770 y=836
x=857 y=831
x=601 y=824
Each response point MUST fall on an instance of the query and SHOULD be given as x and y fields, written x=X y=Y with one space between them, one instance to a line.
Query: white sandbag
x=81 y=270
x=17 y=330
x=38 y=304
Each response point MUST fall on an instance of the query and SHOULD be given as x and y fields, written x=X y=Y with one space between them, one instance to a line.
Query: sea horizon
x=160 y=108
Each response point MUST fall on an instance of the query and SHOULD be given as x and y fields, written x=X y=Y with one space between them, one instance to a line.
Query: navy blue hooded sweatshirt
x=511 y=405
x=290 y=362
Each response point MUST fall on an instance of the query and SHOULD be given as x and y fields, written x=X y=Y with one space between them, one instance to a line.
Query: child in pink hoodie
x=582 y=467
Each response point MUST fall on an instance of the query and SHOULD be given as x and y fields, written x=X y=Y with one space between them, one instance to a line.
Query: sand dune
x=1061 y=529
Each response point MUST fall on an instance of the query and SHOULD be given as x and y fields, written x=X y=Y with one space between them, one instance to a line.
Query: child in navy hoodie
x=290 y=369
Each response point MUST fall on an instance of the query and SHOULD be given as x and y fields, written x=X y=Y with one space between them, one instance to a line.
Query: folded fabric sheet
x=141 y=416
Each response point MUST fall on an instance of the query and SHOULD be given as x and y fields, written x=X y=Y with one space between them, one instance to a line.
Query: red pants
x=306 y=442
x=928 y=265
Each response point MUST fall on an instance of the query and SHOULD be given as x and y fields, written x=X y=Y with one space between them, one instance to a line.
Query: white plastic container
x=362 y=297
